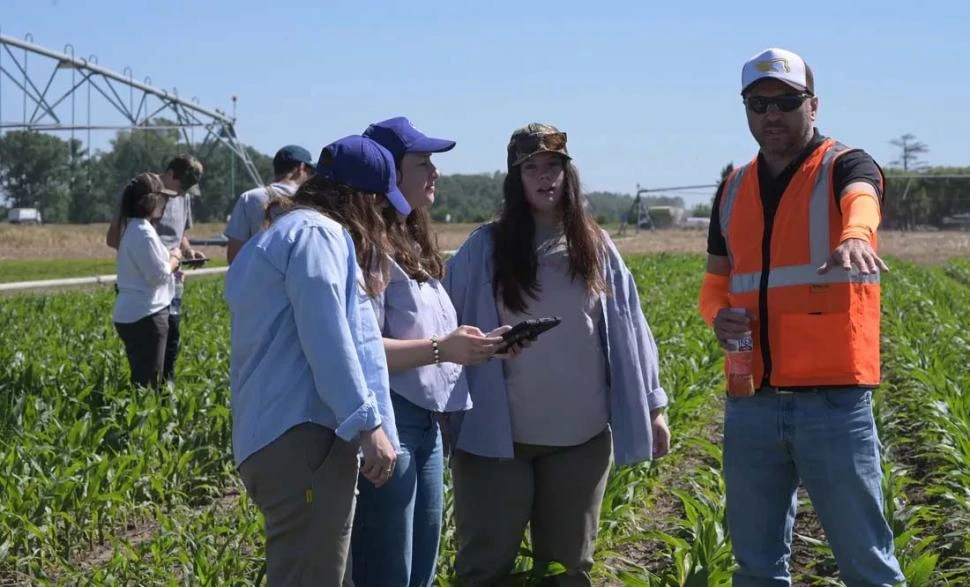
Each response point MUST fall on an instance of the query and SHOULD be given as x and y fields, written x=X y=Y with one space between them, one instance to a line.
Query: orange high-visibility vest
x=822 y=329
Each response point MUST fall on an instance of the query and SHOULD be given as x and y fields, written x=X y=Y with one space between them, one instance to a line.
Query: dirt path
x=137 y=533
x=663 y=508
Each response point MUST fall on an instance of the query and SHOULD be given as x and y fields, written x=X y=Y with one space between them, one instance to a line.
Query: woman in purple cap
x=536 y=448
x=308 y=372
x=397 y=526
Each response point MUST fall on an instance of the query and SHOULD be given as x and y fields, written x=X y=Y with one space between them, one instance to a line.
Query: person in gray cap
x=292 y=166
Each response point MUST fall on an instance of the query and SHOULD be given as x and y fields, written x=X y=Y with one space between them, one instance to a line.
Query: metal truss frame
x=44 y=108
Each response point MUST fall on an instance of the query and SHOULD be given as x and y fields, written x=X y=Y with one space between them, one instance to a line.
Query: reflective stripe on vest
x=727 y=203
x=819 y=245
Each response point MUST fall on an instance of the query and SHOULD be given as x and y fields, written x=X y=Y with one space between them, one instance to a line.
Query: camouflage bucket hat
x=533 y=139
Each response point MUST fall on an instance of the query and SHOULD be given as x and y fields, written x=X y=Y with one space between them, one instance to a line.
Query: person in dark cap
x=308 y=373
x=292 y=166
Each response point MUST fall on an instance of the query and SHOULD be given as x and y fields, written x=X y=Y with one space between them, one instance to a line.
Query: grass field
x=87 y=242
x=13 y=270
x=103 y=485
x=108 y=486
x=75 y=241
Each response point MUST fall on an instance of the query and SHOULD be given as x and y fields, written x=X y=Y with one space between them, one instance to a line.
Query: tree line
x=69 y=185
x=478 y=197
x=918 y=195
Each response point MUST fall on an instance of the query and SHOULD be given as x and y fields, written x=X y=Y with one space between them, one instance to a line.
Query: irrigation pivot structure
x=50 y=100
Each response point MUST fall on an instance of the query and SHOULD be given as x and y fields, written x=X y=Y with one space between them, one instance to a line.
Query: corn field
x=106 y=485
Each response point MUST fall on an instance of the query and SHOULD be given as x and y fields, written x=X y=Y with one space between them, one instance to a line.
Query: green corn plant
x=109 y=485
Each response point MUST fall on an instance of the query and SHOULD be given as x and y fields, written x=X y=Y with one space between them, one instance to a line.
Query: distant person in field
x=292 y=166
x=308 y=372
x=398 y=525
x=793 y=243
x=145 y=279
x=182 y=175
x=535 y=449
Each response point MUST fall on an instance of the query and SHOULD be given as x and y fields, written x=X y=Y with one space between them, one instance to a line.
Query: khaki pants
x=304 y=483
x=557 y=490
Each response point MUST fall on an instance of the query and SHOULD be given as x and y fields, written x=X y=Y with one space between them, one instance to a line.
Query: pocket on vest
x=813 y=345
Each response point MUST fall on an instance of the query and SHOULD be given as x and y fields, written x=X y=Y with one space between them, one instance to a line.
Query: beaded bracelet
x=435 y=349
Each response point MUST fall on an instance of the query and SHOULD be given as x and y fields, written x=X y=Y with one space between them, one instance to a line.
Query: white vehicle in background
x=24 y=216
x=697 y=222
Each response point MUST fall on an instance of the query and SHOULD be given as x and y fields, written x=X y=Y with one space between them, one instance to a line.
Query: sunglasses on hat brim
x=526 y=145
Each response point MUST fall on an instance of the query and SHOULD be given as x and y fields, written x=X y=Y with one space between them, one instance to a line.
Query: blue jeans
x=826 y=438
x=397 y=527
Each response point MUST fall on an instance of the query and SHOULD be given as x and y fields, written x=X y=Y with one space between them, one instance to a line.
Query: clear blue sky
x=648 y=91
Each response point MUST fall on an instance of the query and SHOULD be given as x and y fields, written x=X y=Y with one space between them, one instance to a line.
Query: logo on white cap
x=778 y=64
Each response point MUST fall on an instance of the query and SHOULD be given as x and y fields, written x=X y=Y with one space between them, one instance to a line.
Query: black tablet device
x=527 y=330
x=194 y=263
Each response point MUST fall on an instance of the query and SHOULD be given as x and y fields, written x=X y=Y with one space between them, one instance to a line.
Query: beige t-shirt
x=557 y=388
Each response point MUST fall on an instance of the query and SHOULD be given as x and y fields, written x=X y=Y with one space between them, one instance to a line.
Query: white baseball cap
x=780 y=64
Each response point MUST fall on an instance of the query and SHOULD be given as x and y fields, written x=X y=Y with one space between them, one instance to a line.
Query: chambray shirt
x=631 y=353
x=408 y=310
x=306 y=346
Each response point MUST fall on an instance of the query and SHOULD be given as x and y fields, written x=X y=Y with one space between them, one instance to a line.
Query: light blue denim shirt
x=306 y=346
x=631 y=354
x=408 y=310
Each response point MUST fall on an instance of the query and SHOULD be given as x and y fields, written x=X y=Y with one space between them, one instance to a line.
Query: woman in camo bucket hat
x=536 y=448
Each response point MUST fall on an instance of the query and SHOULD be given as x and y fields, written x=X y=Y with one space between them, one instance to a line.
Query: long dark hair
x=514 y=257
x=357 y=211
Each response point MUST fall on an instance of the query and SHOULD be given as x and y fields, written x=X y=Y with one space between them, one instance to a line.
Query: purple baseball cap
x=364 y=164
x=399 y=136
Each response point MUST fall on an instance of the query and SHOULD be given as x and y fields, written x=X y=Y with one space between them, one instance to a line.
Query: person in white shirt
x=182 y=177
x=145 y=279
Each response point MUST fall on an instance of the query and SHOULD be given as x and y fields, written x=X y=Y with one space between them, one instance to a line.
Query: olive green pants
x=557 y=491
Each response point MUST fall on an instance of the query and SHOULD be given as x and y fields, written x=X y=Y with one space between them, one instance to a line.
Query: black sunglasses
x=785 y=102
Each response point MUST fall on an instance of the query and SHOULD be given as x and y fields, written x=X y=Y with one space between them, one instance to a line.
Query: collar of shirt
x=773 y=187
x=286 y=188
